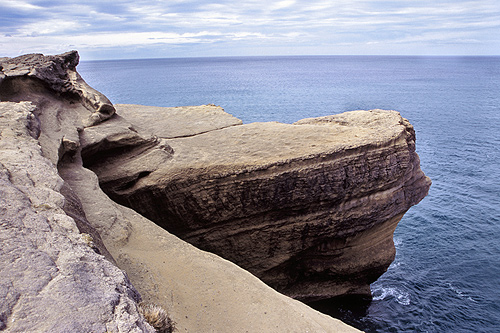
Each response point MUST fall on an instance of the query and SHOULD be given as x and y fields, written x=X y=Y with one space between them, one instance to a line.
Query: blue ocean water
x=446 y=275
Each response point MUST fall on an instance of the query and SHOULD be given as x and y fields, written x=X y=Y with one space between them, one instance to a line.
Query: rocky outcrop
x=61 y=234
x=57 y=73
x=52 y=277
x=309 y=208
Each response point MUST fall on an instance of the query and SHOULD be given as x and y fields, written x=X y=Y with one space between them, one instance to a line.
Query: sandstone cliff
x=61 y=235
x=309 y=208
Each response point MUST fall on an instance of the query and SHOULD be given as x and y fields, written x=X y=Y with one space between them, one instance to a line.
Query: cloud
x=41 y=43
x=20 y=5
x=346 y=26
x=49 y=27
x=282 y=4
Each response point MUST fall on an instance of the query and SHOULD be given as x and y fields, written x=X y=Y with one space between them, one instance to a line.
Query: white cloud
x=21 y=5
x=99 y=16
x=48 y=27
x=120 y=39
x=282 y=4
x=439 y=38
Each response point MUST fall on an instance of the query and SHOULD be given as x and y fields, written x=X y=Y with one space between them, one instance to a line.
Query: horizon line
x=301 y=55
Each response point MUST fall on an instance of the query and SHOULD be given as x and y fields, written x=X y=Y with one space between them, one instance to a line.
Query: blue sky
x=192 y=28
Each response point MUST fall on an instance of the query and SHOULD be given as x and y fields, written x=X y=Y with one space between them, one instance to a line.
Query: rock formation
x=51 y=277
x=57 y=73
x=61 y=235
x=309 y=208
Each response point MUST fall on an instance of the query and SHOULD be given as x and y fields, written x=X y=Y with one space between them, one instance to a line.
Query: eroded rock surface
x=58 y=74
x=51 y=277
x=54 y=278
x=309 y=208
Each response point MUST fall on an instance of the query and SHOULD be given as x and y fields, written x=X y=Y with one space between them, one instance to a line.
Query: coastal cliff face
x=309 y=208
x=63 y=238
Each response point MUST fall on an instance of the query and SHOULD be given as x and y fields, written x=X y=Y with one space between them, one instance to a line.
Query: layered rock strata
x=309 y=208
x=61 y=234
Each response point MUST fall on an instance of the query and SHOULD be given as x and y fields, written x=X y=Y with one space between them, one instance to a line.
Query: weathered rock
x=52 y=278
x=309 y=208
x=201 y=291
x=179 y=121
x=57 y=73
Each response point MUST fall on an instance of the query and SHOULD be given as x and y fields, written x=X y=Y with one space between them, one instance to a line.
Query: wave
x=399 y=295
x=459 y=292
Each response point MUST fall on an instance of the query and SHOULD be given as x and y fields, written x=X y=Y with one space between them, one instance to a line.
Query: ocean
x=446 y=275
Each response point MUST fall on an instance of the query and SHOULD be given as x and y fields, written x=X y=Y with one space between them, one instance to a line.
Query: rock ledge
x=309 y=208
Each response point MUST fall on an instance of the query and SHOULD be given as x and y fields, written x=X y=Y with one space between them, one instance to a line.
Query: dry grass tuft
x=157 y=317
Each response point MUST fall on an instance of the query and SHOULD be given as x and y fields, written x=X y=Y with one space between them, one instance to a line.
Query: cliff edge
x=310 y=208
x=66 y=245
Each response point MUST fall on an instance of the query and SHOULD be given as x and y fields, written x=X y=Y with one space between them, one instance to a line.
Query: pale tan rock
x=178 y=121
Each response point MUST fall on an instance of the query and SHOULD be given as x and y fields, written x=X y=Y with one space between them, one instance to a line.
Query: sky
x=128 y=29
